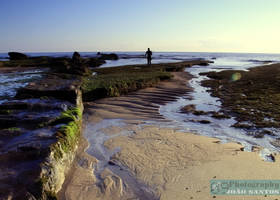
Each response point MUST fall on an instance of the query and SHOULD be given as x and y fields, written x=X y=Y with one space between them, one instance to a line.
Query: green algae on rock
x=115 y=81
x=253 y=96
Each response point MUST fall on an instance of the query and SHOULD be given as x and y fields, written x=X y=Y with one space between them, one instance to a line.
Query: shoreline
x=178 y=166
x=50 y=150
x=251 y=97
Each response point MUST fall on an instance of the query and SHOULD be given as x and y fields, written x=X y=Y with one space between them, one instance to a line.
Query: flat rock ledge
x=39 y=135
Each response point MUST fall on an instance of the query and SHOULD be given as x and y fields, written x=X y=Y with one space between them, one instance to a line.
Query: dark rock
x=75 y=66
x=261 y=133
x=17 y=56
x=267 y=132
x=94 y=62
x=6 y=133
x=270 y=157
x=111 y=56
x=188 y=108
x=8 y=122
x=28 y=148
x=218 y=115
x=13 y=106
x=204 y=121
x=204 y=63
x=199 y=112
x=63 y=94
x=60 y=65
x=260 y=61
x=78 y=65
x=240 y=125
x=111 y=163
x=76 y=57
x=256 y=134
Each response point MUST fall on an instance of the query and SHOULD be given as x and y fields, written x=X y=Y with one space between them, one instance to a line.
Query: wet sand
x=159 y=162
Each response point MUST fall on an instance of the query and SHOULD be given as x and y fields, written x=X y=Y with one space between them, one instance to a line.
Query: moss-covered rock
x=251 y=96
x=62 y=152
x=115 y=81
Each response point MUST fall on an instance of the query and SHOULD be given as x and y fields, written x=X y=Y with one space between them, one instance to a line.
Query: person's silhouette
x=149 y=54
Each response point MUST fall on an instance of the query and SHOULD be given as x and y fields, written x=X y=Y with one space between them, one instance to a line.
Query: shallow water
x=223 y=60
x=95 y=135
x=200 y=97
x=218 y=128
x=10 y=82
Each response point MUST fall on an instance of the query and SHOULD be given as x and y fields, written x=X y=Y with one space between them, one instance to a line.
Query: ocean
x=228 y=60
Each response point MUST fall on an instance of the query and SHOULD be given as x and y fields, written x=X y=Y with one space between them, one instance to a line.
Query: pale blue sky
x=134 y=25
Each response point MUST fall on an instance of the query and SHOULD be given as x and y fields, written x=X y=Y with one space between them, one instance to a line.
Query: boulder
x=79 y=69
x=94 y=62
x=78 y=65
x=17 y=56
x=188 y=108
x=111 y=56
x=76 y=57
x=60 y=65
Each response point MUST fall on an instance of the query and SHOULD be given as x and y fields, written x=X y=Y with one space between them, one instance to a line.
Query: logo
x=245 y=187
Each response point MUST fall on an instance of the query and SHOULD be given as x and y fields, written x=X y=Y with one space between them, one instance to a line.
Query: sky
x=251 y=26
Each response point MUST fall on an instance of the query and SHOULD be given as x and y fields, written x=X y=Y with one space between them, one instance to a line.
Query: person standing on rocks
x=148 y=55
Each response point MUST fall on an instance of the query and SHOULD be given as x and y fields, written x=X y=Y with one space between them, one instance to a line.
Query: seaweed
x=252 y=95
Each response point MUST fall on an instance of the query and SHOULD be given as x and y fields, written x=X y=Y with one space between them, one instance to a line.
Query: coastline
x=174 y=165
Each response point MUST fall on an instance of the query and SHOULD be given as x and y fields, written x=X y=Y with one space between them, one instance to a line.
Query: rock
x=204 y=63
x=111 y=163
x=270 y=158
x=256 y=134
x=188 y=108
x=8 y=122
x=60 y=65
x=29 y=196
x=75 y=66
x=76 y=57
x=29 y=148
x=17 y=56
x=260 y=133
x=204 y=121
x=276 y=142
x=218 y=115
x=199 y=112
x=8 y=106
x=111 y=56
x=94 y=62
x=79 y=68
x=241 y=125
x=78 y=65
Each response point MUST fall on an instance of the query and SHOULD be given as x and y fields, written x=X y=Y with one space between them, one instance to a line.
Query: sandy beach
x=162 y=163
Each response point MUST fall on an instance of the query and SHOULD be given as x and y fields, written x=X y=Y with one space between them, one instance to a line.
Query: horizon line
x=118 y=51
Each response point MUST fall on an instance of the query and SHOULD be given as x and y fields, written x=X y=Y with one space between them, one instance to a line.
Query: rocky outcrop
x=17 y=56
x=75 y=66
x=58 y=86
x=95 y=62
x=188 y=108
x=62 y=153
x=110 y=56
x=39 y=133
x=76 y=57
